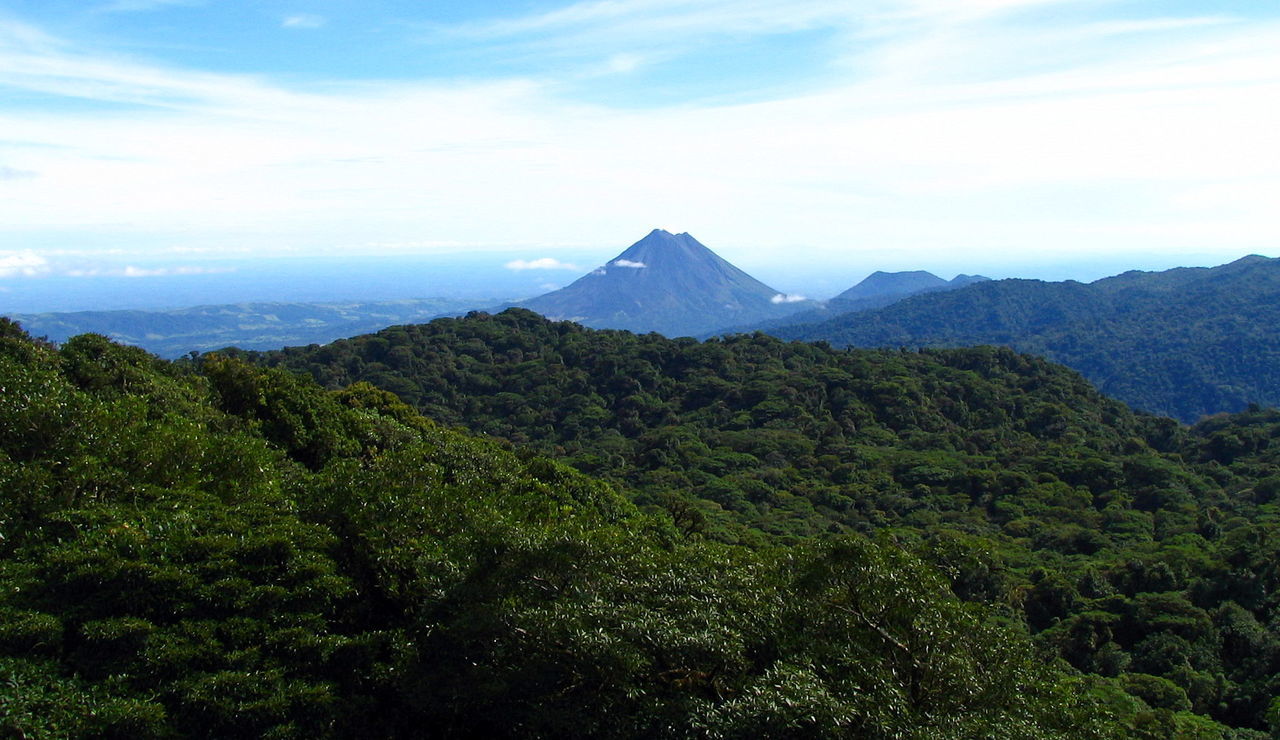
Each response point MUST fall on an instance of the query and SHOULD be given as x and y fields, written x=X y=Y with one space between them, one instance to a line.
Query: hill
x=1187 y=343
x=1114 y=537
x=668 y=283
x=225 y=551
x=896 y=285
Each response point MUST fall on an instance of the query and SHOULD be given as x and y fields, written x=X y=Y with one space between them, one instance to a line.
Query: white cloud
x=784 y=298
x=934 y=135
x=131 y=271
x=1156 y=24
x=599 y=23
x=303 y=20
x=25 y=263
x=544 y=263
x=627 y=263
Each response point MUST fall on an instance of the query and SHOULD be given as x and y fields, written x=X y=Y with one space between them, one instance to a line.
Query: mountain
x=1186 y=342
x=883 y=288
x=176 y=332
x=668 y=283
x=875 y=291
x=881 y=283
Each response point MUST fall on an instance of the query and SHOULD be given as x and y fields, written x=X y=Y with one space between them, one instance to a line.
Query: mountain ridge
x=1186 y=342
x=877 y=290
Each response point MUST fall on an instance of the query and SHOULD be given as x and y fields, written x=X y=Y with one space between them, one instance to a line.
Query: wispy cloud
x=35 y=61
x=627 y=263
x=612 y=37
x=1154 y=25
x=303 y=20
x=544 y=263
x=131 y=271
x=597 y=21
x=785 y=298
x=929 y=130
x=135 y=6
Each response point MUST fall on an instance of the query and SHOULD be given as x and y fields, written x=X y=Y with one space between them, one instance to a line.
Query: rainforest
x=500 y=525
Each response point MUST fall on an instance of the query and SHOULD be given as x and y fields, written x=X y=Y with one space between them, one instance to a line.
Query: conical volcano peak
x=663 y=250
x=670 y=283
x=662 y=237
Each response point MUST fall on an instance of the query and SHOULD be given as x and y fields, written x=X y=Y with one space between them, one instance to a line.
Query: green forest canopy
x=1035 y=494
x=214 y=548
x=1187 y=342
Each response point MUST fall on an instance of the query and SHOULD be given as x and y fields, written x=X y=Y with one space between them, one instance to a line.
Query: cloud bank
x=919 y=129
x=132 y=271
x=25 y=263
x=543 y=263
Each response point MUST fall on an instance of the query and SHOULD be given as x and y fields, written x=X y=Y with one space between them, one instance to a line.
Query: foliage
x=1185 y=342
x=1127 y=544
x=241 y=553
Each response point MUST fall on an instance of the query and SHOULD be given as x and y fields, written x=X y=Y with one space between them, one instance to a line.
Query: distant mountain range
x=1185 y=342
x=176 y=332
x=668 y=283
x=875 y=291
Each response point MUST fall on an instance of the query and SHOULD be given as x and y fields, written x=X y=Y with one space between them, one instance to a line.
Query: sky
x=808 y=141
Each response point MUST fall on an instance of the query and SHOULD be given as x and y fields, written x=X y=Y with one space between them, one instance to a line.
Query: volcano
x=668 y=283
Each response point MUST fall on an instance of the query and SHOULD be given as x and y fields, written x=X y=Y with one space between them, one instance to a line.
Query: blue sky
x=816 y=140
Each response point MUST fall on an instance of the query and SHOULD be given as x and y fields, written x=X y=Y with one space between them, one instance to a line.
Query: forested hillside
x=234 y=552
x=1132 y=546
x=1185 y=343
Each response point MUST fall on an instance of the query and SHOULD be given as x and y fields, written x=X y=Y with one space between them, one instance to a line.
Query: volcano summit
x=668 y=283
